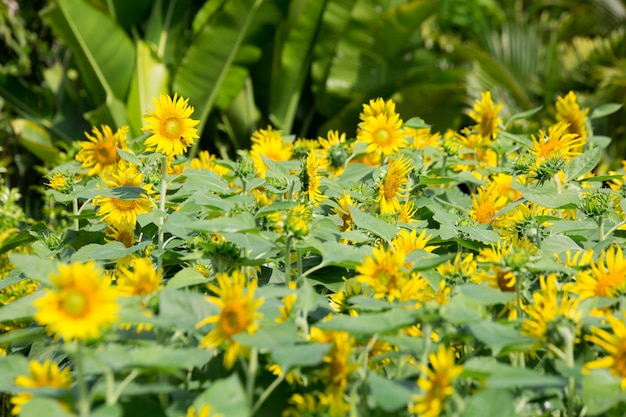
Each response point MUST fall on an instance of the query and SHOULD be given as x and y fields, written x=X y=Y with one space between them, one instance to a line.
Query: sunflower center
x=382 y=136
x=74 y=303
x=505 y=282
x=233 y=320
x=391 y=186
x=173 y=128
x=105 y=153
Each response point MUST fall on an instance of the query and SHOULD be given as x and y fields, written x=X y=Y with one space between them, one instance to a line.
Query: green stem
x=427 y=330
x=76 y=212
x=253 y=365
x=267 y=392
x=161 y=224
x=84 y=405
x=120 y=388
x=601 y=228
x=288 y=259
x=299 y=264
x=444 y=161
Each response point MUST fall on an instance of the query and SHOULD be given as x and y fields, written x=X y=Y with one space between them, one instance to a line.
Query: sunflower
x=60 y=181
x=99 y=153
x=558 y=143
x=568 y=111
x=335 y=375
x=384 y=272
x=460 y=270
x=204 y=411
x=436 y=383
x=486 y=204
x=377 y=106
x=329 y=404
x=345 y=202
x=417 y=289
x=614 y=344
x=382 y=134
x=42 y=375
x=238 y=313
x=604 y=278
x=392 y=186
x=477 y=150
x=122 y=213
x=269 y=144
x=170 y=125
x=205 y=160
x=340 y=300
x=547 y=314
x=310 y=178
x=407 y=211
x=143 y=280
x=486 y=115
x=408 y=241
x=336 y=152
x=80 y=305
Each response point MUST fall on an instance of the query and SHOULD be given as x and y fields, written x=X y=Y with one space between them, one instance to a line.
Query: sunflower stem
x=120 y=388
x=267 y=392
x=84 y=406
x=253 y=365
x=427 y=340
x=163 y=197
x=601 y=228
x=76 y=212
x=444 y=161
x=299 y=264
x=288 y=259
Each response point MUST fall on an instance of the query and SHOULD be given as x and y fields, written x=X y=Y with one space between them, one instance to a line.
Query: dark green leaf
x=582 y=164
x=497 y=337
x=491 y=403
x=294 y=356
x=370 y=323
x=226 y=397
x=604 y=110
x=389 y=395
x=370 y=223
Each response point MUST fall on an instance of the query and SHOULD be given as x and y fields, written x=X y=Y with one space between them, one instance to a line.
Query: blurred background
x=302 y=66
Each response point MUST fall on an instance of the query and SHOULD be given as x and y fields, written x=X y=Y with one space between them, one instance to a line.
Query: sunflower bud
x=595 y=203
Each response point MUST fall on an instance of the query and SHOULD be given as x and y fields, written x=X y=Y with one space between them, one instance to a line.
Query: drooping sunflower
x=382 y=134
x=310 y=178
x=392 y=187
x=384 y=272
x=122 y=212
x=171 y=127
x=99 y=153
x=80 y=305
x=142 y=280
x=547 y=313
x=238 y=313
x=613 y=342
x=486 y=115
x=569 y=111
x=42 y=375
x=269 y=144
x=436 y=383
x=558 y=143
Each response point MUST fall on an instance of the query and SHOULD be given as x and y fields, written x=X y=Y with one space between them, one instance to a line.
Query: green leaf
x=370 y=223
x=604 y=110
x=183 y=309
x=226 y=397
x=12 y=366
x=13 y=277
x=497 y=336
x=548 y=196
x=149 y=80
x=462 y=310
x=499 y=375
x=186 y=277
x=108 y=252
x=601 y=391
x=370 y=323
x=416 y=123
x=294 y=356
x=21 y=335
x=36 y=139
x=389 y=395
x=270 y=337
x=20 y=309
x=34 y=267
x=523 y=115
x=481 y=235
x=490 y=403
x=557 y=244
x=485 y=295
x=582 y=164
x=243 y=222
x=48 y=407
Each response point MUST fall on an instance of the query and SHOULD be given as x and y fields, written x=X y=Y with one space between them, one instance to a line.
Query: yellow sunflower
x=382 y=134
x=377 y=106
x=336 y=152
x=269 y=144
x=204 y=411
x=340 y=300
x=238 y=313
x=436 y=383
x=60 y=182
x=417 y=289
x=345 y=202
x=339 y=367
x=486 y=115
x=42 y=375
x=122 y=213
x=80 y=305
x=384 y=272
x=604 y=278
x=568 y=111
x=613 y=342
x=143 y=280
x=407 y=211
x=311 y=179
x=205 y=160
x=99 y=153
x=558 y=143
x=392 y=186
x=486 y=204
x=170 y=125
x=461 y=269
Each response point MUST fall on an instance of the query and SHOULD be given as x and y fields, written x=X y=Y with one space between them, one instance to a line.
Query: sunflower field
x=338 y=208
x=395 y=271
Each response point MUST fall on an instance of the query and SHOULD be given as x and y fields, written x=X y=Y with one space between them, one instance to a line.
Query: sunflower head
x=170 y=125
x=99 y=153
x=486 y=115
x=42 y=375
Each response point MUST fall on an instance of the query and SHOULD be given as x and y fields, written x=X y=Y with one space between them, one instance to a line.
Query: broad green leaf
x=243 y=222
x=479 y=234
x=108 y=252
x=463 y=310
x=491 y=403
x=485 y=295
x=114 y=410
x=416 y=123
x=370 y=223
x=226 y=397
x=36 y=139
x=21 y=335
x=13 y=277
x=12 y=366
x=604 y=110
x=370 y=323
x=105 y=62
x=203 y=180
x=48 y=407
x=270 y=337
x=557 y=244
x=499 y=375
x=337 y=254
x=34 y=267
x=149 y=80
x=523 y=115
x=435 y=180
x=20 y=309
x=497 y=336
x=295 y=58
x=601 y=391
x=564 y=226
x=601 y=141
x=582 y=164
x=389 y=395
x=186 y=277
x=293 y=356
x=184 y=309
x=548 y=196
